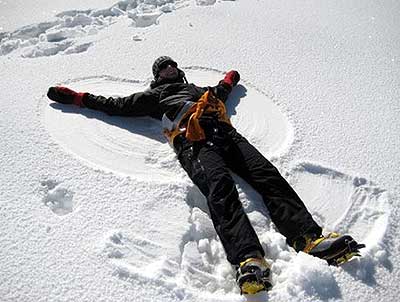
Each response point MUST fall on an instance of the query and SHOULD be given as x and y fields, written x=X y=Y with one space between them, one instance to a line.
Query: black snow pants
x=209 y=162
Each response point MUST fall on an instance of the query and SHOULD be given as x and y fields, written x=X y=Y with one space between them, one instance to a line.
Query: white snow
x=97 y=208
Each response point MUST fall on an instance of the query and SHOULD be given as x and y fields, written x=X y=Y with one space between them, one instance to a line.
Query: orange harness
x=190 y=121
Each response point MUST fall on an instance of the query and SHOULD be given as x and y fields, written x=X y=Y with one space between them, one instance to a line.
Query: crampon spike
x=353 y=250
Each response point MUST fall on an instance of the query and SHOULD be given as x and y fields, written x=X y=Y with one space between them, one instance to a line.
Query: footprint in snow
x=57 y=198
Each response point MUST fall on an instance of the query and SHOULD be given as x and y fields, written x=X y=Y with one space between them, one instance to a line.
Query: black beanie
x=159 y=62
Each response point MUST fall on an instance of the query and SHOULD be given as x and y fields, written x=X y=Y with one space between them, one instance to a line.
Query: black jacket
x=166 y=99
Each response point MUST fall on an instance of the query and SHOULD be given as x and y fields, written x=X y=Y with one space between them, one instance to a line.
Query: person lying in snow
x=208 y=147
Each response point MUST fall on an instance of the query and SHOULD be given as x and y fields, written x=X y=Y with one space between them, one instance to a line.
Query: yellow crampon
x=310 y=244
x=251 y=288
x=349 y=249
x=254 y=276
x=346 y=257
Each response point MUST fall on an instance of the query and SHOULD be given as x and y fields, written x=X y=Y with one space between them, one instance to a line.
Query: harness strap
x=189 y=122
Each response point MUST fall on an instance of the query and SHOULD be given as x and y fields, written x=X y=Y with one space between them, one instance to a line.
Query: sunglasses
x=166 y=63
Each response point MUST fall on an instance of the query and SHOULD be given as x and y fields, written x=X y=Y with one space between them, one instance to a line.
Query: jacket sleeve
x=138 y=104
x=222 y=91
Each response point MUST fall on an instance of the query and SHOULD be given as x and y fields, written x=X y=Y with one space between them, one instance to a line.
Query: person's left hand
x=232 y=78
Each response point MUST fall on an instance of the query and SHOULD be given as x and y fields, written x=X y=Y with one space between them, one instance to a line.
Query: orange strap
x=194 y=132
x=207 y=103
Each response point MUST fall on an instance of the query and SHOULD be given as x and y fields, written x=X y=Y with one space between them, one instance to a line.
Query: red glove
x=231 y=78
x=65 y=95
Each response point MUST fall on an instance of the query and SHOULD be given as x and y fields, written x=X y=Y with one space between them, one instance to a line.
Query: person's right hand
x=65 y=95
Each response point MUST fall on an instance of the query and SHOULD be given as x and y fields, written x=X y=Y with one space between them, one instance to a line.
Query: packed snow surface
x=96 y=207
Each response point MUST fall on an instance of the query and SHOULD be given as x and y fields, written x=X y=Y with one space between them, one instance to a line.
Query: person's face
x=168 y=71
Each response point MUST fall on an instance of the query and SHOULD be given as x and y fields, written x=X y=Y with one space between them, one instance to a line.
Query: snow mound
x=136 y=146
x=305 y=278
x=73 y=31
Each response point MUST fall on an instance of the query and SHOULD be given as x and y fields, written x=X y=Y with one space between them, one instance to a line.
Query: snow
x=97 y=208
